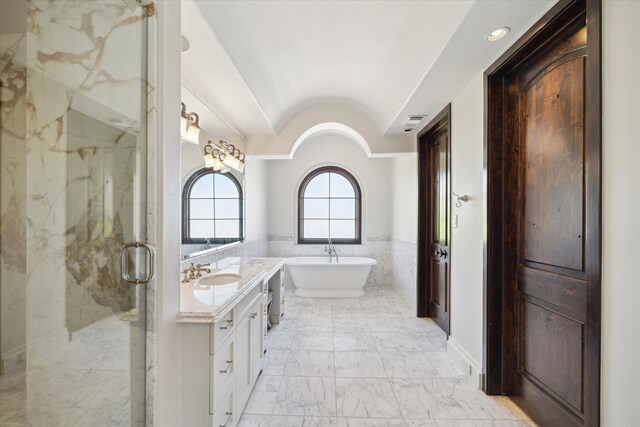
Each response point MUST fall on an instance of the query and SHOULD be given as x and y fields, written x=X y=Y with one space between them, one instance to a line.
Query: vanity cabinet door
x=257 y=337
x=243 y=362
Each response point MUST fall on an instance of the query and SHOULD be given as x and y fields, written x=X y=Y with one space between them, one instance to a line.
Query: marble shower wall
x=405 y=267
x=13 y=213
x=62 y=213
x=378 y=248
x=105 y=213
x=76 y=64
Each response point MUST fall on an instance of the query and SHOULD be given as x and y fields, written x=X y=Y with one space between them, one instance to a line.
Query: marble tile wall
x=378 y=248
x=13 y=212
x=404 y=257
x=69 y=58
x=249 y=248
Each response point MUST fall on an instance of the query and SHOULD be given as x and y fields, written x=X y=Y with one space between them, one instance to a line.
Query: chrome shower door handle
x=124 y=263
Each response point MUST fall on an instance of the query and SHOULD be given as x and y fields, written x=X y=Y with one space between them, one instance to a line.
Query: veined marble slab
x=208 y=304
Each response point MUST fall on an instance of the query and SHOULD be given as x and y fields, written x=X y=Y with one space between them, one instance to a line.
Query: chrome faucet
x=206 y=246
x=331 y=249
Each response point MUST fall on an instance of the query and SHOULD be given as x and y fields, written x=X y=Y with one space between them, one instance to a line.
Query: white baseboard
x=464 y=361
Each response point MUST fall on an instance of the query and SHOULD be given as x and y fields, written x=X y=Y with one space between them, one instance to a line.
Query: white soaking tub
x=317 y=277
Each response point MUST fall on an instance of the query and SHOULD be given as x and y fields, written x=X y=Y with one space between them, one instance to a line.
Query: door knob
x=443 y=253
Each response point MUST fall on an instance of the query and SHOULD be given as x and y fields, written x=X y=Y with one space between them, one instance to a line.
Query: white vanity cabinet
x=249 y=350
x=221 y=362
x=223 y=337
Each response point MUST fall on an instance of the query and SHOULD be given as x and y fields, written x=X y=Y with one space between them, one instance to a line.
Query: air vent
x=411 y=121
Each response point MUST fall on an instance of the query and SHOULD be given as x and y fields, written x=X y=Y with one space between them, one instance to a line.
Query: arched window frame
x=186 y=195
x=358 y=206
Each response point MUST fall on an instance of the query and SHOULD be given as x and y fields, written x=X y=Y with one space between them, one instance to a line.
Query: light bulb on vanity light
x=193 y=133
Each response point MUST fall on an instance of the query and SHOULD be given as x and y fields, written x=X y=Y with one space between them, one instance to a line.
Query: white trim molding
x=464 y=361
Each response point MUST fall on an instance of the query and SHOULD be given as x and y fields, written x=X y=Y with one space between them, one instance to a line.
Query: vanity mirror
x=211 y=165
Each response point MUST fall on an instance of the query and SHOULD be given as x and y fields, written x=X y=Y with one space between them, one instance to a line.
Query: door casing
x=499 y=244
x=423 y=285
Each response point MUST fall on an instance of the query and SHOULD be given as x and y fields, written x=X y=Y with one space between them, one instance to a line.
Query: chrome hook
x=460 y=199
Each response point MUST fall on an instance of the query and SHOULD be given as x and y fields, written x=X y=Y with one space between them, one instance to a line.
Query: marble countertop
x=208 y=304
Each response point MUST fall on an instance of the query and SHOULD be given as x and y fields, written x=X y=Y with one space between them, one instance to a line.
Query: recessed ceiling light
x=186 y=45
x=497 y=34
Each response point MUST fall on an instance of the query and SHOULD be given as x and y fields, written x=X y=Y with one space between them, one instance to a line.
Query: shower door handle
x=124 y=263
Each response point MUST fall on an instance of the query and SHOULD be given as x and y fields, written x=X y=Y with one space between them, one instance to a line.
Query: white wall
x=405 y=198
x=167 y=302
x=621 y=214
x=255 y=193
x=404 y=230
x=467 y=124
x=373 y=174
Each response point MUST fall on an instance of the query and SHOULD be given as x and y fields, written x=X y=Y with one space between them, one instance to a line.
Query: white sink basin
x=218 y=279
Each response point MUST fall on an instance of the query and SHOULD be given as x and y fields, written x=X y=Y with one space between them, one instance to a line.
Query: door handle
x=442 y=253
x=124 y=263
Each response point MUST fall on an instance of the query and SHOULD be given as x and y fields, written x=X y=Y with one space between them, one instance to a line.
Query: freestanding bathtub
x=316 y=277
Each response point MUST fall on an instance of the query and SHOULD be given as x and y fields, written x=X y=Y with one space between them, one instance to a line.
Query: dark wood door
x=434 y=234
x=548 y=248
x=438 y=227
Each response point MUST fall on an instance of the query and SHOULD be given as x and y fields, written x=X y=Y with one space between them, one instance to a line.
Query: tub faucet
x=332 y=251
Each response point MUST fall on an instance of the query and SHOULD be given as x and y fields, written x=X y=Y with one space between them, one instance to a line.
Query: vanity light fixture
x=498 y=33
x=189 y=125
x=223 y=157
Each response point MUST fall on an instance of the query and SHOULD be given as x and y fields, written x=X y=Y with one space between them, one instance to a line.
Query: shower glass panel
x=73 y=180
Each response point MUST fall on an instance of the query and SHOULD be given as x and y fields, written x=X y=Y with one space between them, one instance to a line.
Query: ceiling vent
x=412 y=121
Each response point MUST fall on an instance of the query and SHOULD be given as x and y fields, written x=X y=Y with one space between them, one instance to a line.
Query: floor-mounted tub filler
x=321 y=277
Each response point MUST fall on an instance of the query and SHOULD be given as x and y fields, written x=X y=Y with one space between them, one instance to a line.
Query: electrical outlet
x=455 y=221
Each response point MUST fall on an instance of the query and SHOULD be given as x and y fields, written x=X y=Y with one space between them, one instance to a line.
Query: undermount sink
x=218 y=279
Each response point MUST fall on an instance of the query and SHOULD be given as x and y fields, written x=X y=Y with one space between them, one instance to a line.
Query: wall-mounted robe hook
x=461 y=199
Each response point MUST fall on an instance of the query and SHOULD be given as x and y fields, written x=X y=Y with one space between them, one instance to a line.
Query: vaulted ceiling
x=261 y=62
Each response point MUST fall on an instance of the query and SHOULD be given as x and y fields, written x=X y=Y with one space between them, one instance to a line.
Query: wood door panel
x=434 y=171
x=565 y=292
x=552 y=135
x=534 y=400
x=439 y=290
x=543 y=247
x=561 y=338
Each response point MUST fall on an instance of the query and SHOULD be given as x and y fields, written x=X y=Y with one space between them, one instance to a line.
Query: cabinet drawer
x=223 y=415
x=244 y=307
x=221 y=330
x=222 y=372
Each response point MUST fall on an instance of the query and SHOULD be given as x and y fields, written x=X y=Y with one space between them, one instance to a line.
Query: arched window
x=329 y=206
x=212 y=208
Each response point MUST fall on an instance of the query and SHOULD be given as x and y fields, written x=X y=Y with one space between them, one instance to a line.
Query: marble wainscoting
x=378 y=248
x=256 y=248
x=405 y=267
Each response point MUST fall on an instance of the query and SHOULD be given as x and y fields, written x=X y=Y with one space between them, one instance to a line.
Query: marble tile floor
x=366 y=362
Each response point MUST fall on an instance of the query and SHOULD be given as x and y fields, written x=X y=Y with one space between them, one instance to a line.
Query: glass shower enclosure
x=73 y=179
